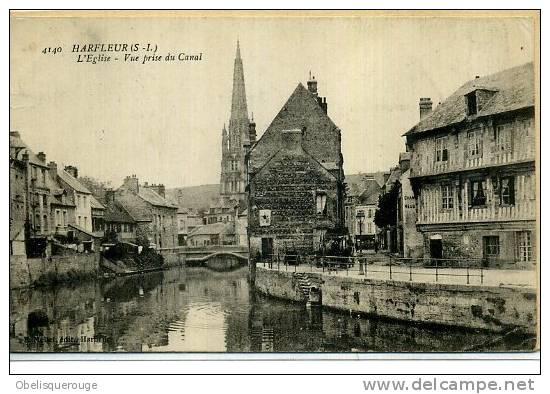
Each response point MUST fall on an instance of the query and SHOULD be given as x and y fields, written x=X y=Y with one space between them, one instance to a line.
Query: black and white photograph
x=274 y=182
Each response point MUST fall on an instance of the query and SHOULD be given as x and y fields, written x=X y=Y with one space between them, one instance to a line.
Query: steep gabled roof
x=154 y=198
x=369 y=196
x=356 y=183
x=19 y=146
x=302 y=110
x=95 y=204
x=72 y=182
x=514 y=87
x=115 y=213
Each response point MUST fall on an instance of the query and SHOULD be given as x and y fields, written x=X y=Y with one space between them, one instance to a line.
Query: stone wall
x=23 y=271
x=468 y=244
x=479 y=307
x=287 y=188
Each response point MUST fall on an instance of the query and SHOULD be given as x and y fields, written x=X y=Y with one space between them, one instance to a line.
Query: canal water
x=201 y=310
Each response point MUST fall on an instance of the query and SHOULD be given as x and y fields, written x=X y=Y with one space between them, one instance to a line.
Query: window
x=524 y=247
x=491 y=246
x=507 y=191
x=64 y=218
x=321 y=203
x=79 y=220
x=85 y=222
x=503 y=139
x=45 y=219
x=78 y=200
x=441 y=153
x=474 y=143
x=37 y=222
x=43 y=176
x=44 y=200
x=477 y=193
x=447 y=197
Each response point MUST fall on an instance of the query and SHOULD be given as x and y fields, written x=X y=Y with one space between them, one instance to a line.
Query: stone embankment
x=495 y=308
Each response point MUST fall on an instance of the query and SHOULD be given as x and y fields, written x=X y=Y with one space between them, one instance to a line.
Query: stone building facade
x=473 y=171
x=296 y=179
x=155 y=217
x=362 y=191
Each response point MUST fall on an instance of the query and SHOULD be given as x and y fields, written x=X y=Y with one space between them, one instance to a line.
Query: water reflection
x=200 y=310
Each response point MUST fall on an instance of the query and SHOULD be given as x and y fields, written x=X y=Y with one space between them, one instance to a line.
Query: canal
x=201 y=310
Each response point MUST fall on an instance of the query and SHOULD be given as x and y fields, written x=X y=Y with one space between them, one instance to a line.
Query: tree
x=386 y=213
x=96 y=186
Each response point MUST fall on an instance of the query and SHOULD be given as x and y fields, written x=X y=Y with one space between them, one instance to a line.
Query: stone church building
x=234 y=140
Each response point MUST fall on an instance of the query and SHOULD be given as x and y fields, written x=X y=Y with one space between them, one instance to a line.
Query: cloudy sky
x=162 y=121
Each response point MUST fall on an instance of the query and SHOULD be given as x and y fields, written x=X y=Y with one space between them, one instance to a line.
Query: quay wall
x=25 y=271
x=479 y=307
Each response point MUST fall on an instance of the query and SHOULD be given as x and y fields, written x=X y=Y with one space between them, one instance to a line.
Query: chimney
x=15 y=134
x=52 y=168
x=312 y=85
x=109 y=196
x=252 y=132
x=72 y=170
x=41 y=156
x=131 y=183
x=292 y=139
x=161 y=190
x=425 y=105
x=323 y=103
x=404 y=161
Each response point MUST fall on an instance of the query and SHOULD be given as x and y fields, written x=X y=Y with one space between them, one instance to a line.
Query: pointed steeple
x=239 y=110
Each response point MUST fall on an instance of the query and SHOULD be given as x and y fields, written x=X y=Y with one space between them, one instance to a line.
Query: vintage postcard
x=285 y=182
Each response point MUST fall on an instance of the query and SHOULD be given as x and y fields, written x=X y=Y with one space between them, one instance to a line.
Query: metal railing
x=392 y=268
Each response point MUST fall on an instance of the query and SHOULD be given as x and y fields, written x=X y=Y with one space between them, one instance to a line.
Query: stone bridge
x=201 y=254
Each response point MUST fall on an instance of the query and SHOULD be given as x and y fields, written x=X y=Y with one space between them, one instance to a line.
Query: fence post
x=436 y=271
x=481 y=269
x=410 y=271
x=468 y=274
x=390 y=267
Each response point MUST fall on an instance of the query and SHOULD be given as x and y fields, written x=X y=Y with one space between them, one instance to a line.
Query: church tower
x=234 y=138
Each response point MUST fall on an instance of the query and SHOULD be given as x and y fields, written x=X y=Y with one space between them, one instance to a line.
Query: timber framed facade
x=473 y=172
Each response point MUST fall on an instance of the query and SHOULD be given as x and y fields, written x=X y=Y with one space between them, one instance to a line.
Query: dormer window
x=471 y=103
x=477 y=98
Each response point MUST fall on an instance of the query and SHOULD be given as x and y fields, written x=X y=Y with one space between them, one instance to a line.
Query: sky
x=162 y=121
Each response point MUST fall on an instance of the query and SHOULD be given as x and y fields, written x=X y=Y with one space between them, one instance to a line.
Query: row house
x=155 y=216
x=118 y=223
x=48 y=202
x=31 y=196
x=473 y=170
x=362 y=191
x=296 y=180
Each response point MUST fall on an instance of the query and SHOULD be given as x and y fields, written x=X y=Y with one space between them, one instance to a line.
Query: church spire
x=239 y=110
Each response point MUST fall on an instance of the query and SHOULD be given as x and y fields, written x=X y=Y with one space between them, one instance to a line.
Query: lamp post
x=360 y=217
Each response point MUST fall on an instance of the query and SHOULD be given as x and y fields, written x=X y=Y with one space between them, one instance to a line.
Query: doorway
x=267 y=247
x=436 y=249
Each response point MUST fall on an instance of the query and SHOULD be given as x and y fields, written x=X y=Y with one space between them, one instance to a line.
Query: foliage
x=386 y=213
x=96 y=186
